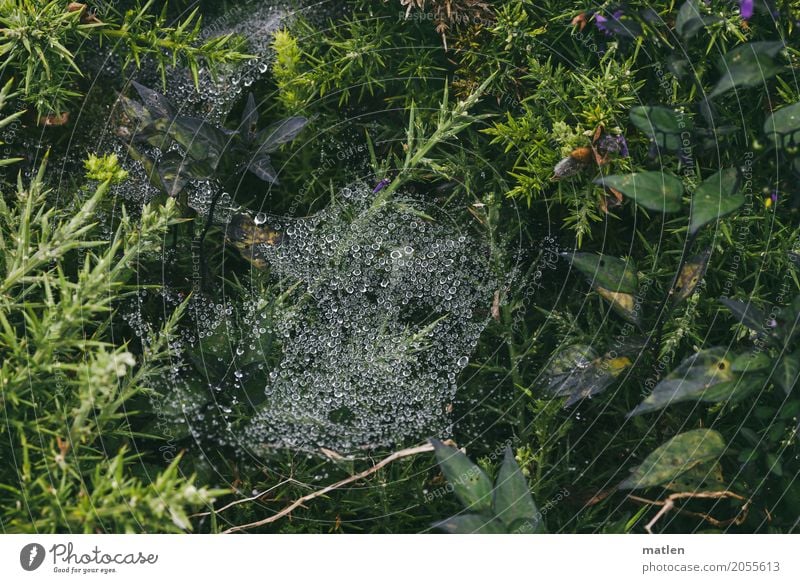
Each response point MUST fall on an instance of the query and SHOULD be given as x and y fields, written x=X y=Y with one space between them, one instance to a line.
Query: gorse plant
x=39 y=40
x=68 y=460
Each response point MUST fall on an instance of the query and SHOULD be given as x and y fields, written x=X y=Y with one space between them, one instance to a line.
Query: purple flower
x=623 y=146
x=613 y=145
x=603 y=24
x=774 y=196
x=381 y=185
x=746 y=8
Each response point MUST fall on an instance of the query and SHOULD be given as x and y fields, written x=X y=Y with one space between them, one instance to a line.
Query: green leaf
x=249 y=118
x=661 y=124
x=262 y=167
x=751 y=361
x=747 y=314
x=157 y=104
x=787 y=372
x=622 y=304
x=470 y=484
x=774 y=463
x=690 y=20
x=606 y=271
x=201 y=140
x=689 y=381
x=654 y=190
x=471 y=524
x=578 y=373
x=748 y=65
x=704 y=477
x=676 y=457
x=279 y=133
x=716 y=197
x=783 y=127
x=174 y=173
x=691 y=275
x=512 y=497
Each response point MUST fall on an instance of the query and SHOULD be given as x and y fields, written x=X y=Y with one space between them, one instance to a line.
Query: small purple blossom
x=623 y=146
x=774 y=196
x=602 y=22
x=746 y=8
x=381 y=185
x=613 y=145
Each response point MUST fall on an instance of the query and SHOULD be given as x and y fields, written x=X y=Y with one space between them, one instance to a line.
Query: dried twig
x=426 y=447
x=669 y=504
x=243 y=500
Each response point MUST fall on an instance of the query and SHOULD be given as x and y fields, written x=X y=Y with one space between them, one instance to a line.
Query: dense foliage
x=630 y=170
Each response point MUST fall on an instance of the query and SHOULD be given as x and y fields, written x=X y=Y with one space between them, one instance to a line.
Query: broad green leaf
x=783 y=127
x=470 y=484
x=262 y=167
x=691 y=275
x=471 y=524
x=676 y=457
x=279 y=133
x=249 y=119
x=654 y=190
x=157 y=104
x=704 y=477
x=751 y=361
x=690 y=20
x=512 y=497
x=623 y=304
x=734 y=391
x=661 y=124
x=716 y=197
x=774 y=463
x=787 y=372
x=747 y=314
x=173 y=170
x=748 y=65
x=201 y=140
x=689 y=381
x=607 y=271
x=578 y=373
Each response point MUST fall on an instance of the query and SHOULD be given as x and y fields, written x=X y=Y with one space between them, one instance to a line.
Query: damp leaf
x=716 y=197
x=689 y=381
x=512 y=496
x=201 y=140
x=156 y=104
x=782 y=128
x=748 y=65
x=262 y=167
x=470 y=484
x=691 y=275
x=747 y=314
x=690 y=20
x=622 y=303
x=578 y=373
x=751 y=361
x=654 y=190
x=280 y=133
x=661 y=124
x=704 y=477
x=249 y=119
x=676 y=457
x=174 y=173
x=607 y=271
x=787 y=372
